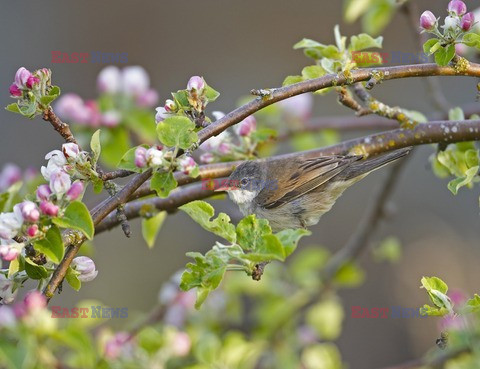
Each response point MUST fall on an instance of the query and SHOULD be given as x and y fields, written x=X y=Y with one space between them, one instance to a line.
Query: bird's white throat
x=242 y=196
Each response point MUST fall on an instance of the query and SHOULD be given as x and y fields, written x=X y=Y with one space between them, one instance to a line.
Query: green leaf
x=390 y=249
x=210 y=93
x=326 y=318
x=51 y=245
x=77 y=217
x=13 y=107
x=35 y=271
x=437 y=291
x=378 y=16
x=472 y=39
x=127 y=161
x=72 y=279
x=201 y=212
x=151 y=226
x=316 y=355
x=177 y=132
x=312 y=71
x=364 y=41
x=432 y=45
x=29 y=109
x=455 y=184
x=473 y=304
x=115 y=143
x=349 y=275
x=289 y=238
x=250 y=231
x=353 y=9
x=444 y=55
x=52 y=95
x=433 y=311
x=142 y=122
x=308 y=43
x=9 y=197
x=95 y=146
x=267 y=248
x=290 y=80
x=162 y=183
x=181 y=99
x=456 y=114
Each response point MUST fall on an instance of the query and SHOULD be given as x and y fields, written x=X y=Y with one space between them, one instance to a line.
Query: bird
x=295 y=191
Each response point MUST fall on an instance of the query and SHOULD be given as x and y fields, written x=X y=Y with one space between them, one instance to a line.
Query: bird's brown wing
x=304 y=175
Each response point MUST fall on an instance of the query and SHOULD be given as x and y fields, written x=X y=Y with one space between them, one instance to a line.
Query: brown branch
x=62 y=128
x=120 y=173
x=387 y=73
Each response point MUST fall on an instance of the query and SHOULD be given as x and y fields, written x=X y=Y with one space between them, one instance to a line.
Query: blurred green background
x=237 y=46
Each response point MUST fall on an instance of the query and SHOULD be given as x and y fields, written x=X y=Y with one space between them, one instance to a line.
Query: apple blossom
x=450 y=23
x=154 y=157
x=49 y=208
x=14 y=90
x=299 y=106
x=32 y=230
x=246 y=126
x=109 y=80
x=181 y=344
x=29 y=211
x=70 y=150
x=9 y=175
x=214 y=142
x=21 y=78
x=207 y=158
x=187 y=164
x=43 y=192
x=32 y=80
x=56 y=162
x=10 y=224
x=111 y=118
x=140 y=157
x=467 y=21
x=196 y=83
x=75 y=191
x=225 y=148
x=60 y=182
x=7 y=317
x=10 y=249
x=135 y=80
x=148 y=99
x=115 y=345
x=71 y=107
x=85 y=268
x=34 y=301
x=170 y=105
x=457 y=7
x=161 y=114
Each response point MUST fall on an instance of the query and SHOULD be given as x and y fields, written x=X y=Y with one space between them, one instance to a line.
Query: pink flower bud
x=111 y=118
x=427 y=20
x=141 y=157
x=207 y=158
x=299 y=106
x=10 y=224
x=224 y=148
x=32 y=80
x=75 y=191
x=246 y=126
x=161 y=114
x=467 y=21
x=148 y=99
x=8 y=253
x=85 y=267
x=70 y=150
x=60 y=182
x=32 y=230
x=71 y=107
x=135 y=81
x=154 y=157
x=29 y=211
x=187 y=164
x=115 y=345
x=170 y=105
x=20 y=310
x=109 y=80
x=14 y=90
x=49 y=208
x=7 y=317
x=21 y=78
x=181 y=344
x=9 y=175
x=34 y=300
x=196 y=83
x=457 y=7
x=43 y=192
x=92 y=113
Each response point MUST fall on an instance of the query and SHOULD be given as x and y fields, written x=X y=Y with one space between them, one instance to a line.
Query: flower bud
x=21 y=78
x=29 y=211
x=49 y=208
x=115 y=345
x=181 y=344
x=299 y=106
x=170 y=105
x=32 y=80
x=148 y=99
x=14 y=90
x=85 y=267
x=161 y=114
x=207 y=158
x=75 y=191
x=467 y=21
x=7 y=317
x=34 y=300
x=9 y=175
x=224 y=148
x=135 y=81
x=140 y=157
x=246 y=126
x=71 y=107
x=196 y=83
x=187 y=164
x=450 y=23
x=70 y=150
x=111 y=118
x=154 y=157
x=60 y=182
x=427 y=20
x=32 y=230
x=9 y=253
x=457 y=7
x=10 y=224
x=43 y=192
x=109 y=80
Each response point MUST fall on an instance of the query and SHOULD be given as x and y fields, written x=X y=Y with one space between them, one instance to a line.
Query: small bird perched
x=296 y=192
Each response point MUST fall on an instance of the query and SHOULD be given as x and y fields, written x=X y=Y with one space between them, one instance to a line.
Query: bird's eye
x=244 y=182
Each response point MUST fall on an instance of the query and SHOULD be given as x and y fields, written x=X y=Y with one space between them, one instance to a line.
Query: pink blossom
x=85 y=268
x=109 y=80
x=10 y=224
x=75 y=191
x=29 y=211
x=148 y=99
x=427 y=20
x=114 y=346
x=60 y=182
x=71 y=107
x=32 y=230
x=224 y=148
x=21 y=78
x=10 y=249
x=14 y=90
x=49 y=208
x=43 y=192
x=181 y=344
x=34 y=300
x=141 y=157
x=299 y=106
x=170 y=105
x=246 y=126
x=135 y=81
x=71 y=150
x=32 y=80
x=161 y=114
x=187 y=164
x=207 y=158
x=9 y=175
x=467 y=21
x=111 y=118
x=196 y=83
x=457 y=7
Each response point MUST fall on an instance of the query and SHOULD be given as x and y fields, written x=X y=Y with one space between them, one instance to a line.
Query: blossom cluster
x=457 y=21
x=50 y=199
x=26 y=81
x=131 y=82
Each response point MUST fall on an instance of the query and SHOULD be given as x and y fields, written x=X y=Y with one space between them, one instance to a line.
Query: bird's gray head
x=246 y=181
